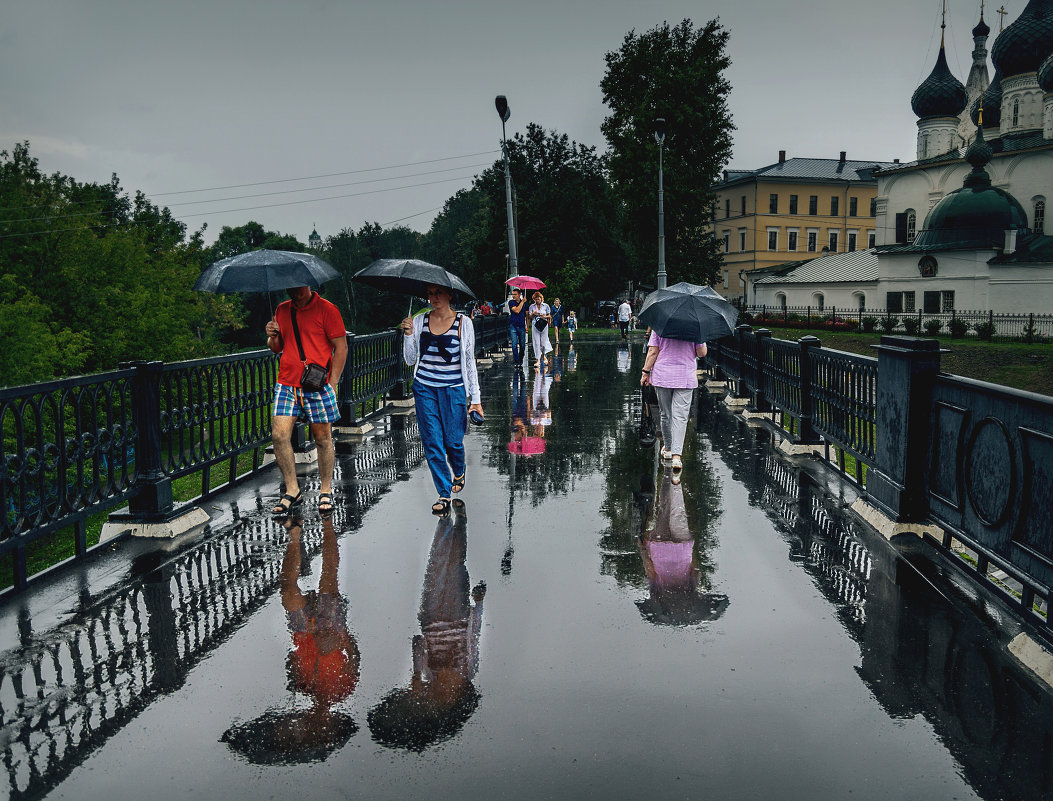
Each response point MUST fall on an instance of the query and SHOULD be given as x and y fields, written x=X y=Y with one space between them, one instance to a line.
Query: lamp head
x=659 y=130
x=503 y=111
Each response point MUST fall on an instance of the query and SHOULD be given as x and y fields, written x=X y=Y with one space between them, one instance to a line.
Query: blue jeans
x=518 y=337
x=442 y=417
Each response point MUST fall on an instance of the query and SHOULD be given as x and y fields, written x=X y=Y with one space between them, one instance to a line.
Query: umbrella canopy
x=265 y=271
x=689 y=312
x=528 y=446
x=409 y=277
x=525 y=282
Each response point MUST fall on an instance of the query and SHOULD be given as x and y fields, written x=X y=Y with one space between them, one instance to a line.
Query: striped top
x=440 y=359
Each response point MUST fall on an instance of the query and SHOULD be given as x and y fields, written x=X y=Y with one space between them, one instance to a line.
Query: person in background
x=517 y=322
x=557 y=317
x=324 y=342
x=669 y=367
x=440 y=345
x=572 y=324
x=540 y=317
x=625 y=315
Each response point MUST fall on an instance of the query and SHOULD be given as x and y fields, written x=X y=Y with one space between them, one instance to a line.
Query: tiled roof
x=859 y=265
x=1010 y=143
x=816 y=169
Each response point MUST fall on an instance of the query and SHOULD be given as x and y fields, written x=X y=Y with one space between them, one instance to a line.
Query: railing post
x=760 y=401
x=740 y=337
x=153 y=491
x=399 y=390
x=899 y=481
x=806 y=436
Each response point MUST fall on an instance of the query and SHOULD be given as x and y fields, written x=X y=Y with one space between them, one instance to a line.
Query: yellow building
x=795 y=209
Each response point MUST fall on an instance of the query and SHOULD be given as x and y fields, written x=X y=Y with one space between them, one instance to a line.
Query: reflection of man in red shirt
x=324 y=342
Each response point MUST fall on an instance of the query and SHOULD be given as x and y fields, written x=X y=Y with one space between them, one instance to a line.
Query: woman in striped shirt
x=441 y=346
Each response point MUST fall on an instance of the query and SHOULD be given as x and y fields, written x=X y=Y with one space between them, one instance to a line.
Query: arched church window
x=925 y=146
x=1016 y=113
x=1039 y=226
x=818 y=300
x=780 y=299
x=912 y=225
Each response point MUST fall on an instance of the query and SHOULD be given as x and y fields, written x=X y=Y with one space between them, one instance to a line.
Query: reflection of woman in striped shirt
x=441 y=346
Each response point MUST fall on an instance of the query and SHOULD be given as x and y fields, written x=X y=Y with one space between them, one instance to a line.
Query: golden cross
x=1002 y=12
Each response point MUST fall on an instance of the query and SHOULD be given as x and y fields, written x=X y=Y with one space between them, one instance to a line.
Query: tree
x=676 y=73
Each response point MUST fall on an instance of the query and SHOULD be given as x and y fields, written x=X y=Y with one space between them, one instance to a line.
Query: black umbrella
x=689 y=312
x=265 y=271
x=409 y=277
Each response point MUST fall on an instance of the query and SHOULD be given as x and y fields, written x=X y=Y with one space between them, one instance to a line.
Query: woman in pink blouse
x=670 y=367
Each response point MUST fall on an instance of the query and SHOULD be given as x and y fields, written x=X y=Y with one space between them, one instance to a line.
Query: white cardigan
x=411 y=353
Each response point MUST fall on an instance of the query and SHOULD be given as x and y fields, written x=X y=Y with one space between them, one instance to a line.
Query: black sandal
x=441 y=507
x=281 y=508
x=458 y=482
x=325 y=503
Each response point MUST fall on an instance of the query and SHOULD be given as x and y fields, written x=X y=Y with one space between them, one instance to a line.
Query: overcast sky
x=177 y=96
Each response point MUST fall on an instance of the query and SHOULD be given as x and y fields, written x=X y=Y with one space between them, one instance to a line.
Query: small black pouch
x=315 y=376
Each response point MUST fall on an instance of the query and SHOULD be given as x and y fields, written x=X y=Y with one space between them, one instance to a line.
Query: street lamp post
x=659 y=136
x=504 y=112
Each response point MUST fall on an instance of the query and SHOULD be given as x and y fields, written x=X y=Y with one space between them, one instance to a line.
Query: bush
x=958 y=327
x=869 y=324
x=888 y=324
x=911 y=325
x=985 y=330
x=933 y=326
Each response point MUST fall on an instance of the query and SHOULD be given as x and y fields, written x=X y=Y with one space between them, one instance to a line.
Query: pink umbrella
x=526 y=282
x=528 y=446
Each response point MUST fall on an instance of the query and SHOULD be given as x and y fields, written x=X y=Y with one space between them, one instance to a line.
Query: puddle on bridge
x=583 y=628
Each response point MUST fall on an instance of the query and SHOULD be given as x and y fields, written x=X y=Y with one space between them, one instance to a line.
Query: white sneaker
x=667 y=455
x=678 y=464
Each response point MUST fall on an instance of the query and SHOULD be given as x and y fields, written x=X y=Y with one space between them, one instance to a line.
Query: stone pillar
x=760 y=402
x=153 y=494
x=899 y=482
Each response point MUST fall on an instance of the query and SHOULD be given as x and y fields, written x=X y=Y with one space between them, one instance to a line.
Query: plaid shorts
x=317 y=407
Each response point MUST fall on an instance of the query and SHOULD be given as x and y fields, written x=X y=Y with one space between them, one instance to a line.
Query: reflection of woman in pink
x=667 y=549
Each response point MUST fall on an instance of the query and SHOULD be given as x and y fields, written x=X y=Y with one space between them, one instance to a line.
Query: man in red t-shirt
x=324 y=342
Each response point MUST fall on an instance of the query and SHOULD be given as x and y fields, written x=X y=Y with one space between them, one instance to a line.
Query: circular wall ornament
x=990 y=471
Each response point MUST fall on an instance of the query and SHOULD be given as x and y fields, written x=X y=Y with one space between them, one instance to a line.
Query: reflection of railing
x=68 y=690
x=79 y=447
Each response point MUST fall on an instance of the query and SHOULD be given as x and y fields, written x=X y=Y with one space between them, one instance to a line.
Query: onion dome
x=1023 y=45
x=975 y=216
x=981 y=28
x=1045 y=74
x=941 y=94
x=992 y=100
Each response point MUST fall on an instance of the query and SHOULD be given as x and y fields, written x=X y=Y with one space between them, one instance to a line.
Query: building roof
x=941 y=94
x=1030 y=249
x=1023 y=45
x=810 y=169
x=859 y=265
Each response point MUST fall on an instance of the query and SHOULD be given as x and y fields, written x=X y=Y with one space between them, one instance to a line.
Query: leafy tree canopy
x=677 y=73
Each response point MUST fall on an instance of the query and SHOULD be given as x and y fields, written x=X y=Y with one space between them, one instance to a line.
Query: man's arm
x=339 y=357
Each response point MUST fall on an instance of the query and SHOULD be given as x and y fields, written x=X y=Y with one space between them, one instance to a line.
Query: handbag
x=315 y=376
x=540 y=324
x=648 y=431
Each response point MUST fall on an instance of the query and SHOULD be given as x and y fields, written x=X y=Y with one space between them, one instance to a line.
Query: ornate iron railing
x=844 y=404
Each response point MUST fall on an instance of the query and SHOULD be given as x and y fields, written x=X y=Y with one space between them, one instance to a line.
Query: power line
x=248 y=208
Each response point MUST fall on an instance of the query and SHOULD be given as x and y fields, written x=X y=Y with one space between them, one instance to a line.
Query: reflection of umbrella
x=525 y=282
x=410 y=277
x=290 y=737
x=265 y=271
x=528 y=446
x=682 y=608
x=689 y=312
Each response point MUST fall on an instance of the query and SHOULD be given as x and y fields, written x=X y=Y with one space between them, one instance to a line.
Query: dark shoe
x=282 y=508
x=458 y=482
x=325 y=503
x=441 y=507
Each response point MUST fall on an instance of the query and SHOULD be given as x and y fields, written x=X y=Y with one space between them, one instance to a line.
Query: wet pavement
x=583 y=628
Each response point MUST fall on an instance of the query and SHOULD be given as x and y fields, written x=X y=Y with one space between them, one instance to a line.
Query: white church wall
x=842 y=295
x=1021 y=289
x=965 y=273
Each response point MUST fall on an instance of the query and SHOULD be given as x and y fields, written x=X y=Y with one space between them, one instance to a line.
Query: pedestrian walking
x=572 y=324
x=669 y=367
x=308 y=332
x=540 y=316
x=440 y=345
x=517 y=316
x=625 y=315
x=557 y=317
